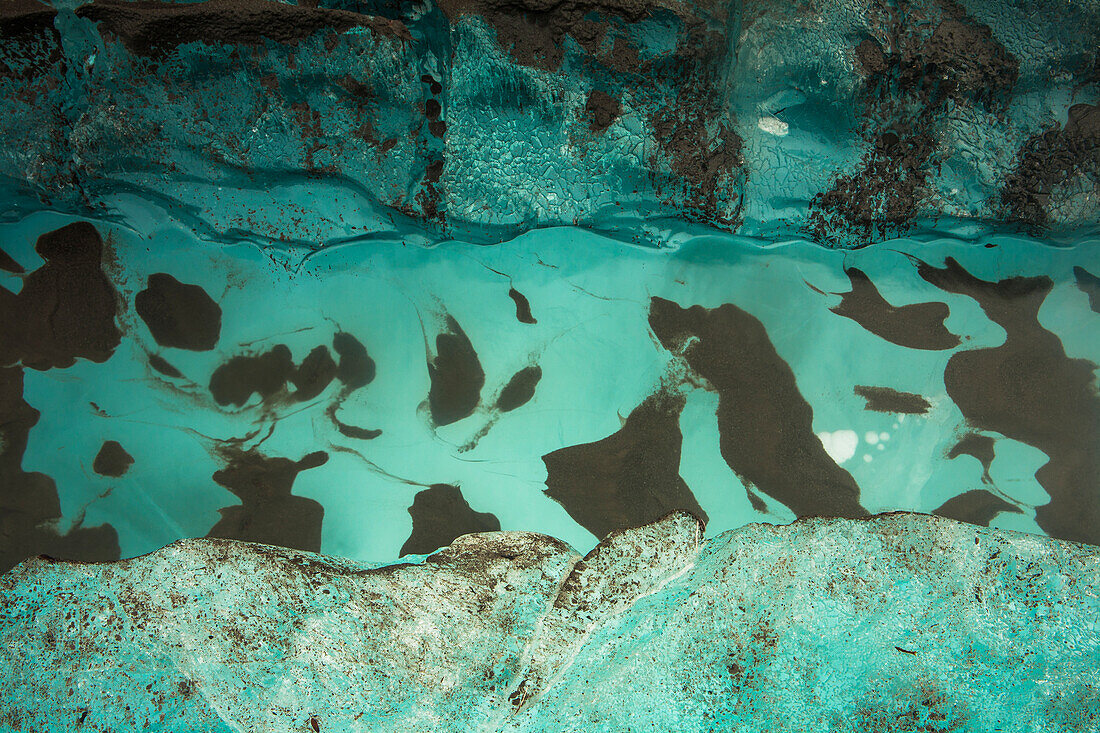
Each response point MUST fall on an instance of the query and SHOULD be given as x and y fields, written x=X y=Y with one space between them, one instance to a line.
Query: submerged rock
x=897 y=622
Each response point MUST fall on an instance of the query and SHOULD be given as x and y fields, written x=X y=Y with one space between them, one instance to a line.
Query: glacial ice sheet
x=901 y=622
x=244 y=294
x=847 y=122
x=378 y=398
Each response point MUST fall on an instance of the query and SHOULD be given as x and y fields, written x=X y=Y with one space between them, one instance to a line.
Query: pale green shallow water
x=590 y=296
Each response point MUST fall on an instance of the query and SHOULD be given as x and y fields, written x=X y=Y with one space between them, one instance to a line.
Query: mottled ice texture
x=217 y=318
x=849 y=122
x=896 y=623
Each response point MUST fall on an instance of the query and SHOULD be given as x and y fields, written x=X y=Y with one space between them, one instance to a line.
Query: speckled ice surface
x=851 y=121
x=897 y=623
x=360 y=277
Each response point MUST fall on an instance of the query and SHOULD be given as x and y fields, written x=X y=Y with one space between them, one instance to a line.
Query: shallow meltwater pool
x=374 y=400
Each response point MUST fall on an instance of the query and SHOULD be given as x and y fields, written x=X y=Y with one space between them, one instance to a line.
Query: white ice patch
x=839 y=444
x=772 y=126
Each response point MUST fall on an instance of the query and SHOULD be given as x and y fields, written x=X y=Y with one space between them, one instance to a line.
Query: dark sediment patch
x=971 y=62
x=765 y=424
x=601 y=110
x=265 y=374
x=1050 y=158
x=975 y=507
x=1088 y=284
x=354 y=431
x=112 y=460
x=350 y=431
x=629 y=478
x=25 y=17
x=440 y=514
x=32 y=43
x=268 y=512
x=29 y=504
x=268 y=374
x=978 y=446
x=178 y=314
x=8 y=264
x=315 y=373
x=433 y=84
x=159 y=364
x=916 y=326
x=520 y=388
x=154 y=28
x=361 y=95
x=885 y=399
x=1029 y=390
x=705 y=160
x=884 y=195
x=623 y=56
x=523 y=308
x=924 y=60
x=356 y=368
x=534 y=33
x=456 y=376
x=695 y=134
x=433 y=171
x=430 y=195
x=66 y=308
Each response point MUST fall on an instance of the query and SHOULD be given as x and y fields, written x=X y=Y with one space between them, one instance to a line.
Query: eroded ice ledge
x=898 y=622
x=327 y=121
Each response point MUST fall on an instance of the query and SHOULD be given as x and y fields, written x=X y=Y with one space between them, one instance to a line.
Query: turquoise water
x=363 y=277
x=599 y=357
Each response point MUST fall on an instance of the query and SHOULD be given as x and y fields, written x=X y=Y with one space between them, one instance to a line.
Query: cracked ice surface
x=849 y=122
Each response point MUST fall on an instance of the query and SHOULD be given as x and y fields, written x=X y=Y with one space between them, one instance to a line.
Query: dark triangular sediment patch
x=765 y=424
x=631 y=477
x=440 y=514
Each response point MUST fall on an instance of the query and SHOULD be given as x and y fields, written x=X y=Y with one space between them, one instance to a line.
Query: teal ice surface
x=94 y=120
x=896 y=623
x=590 y=296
